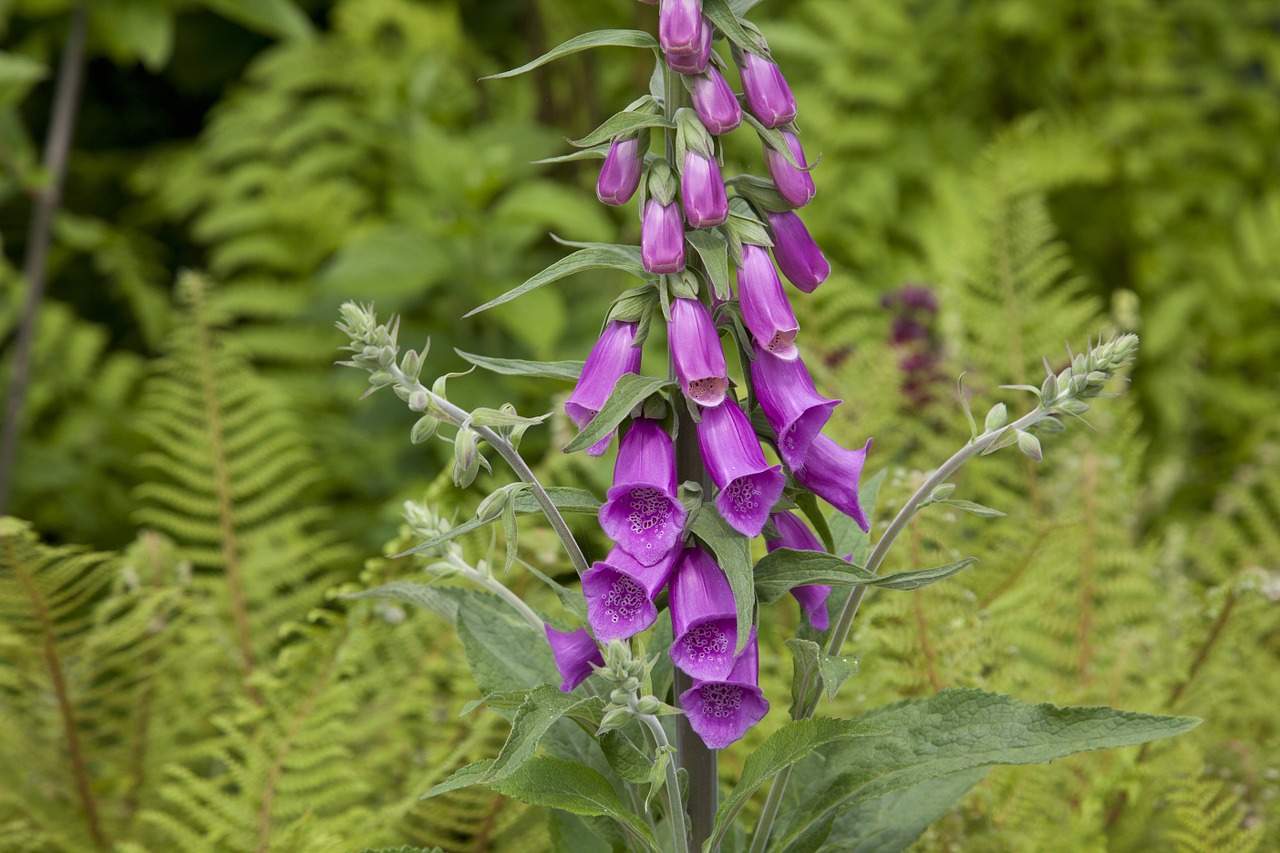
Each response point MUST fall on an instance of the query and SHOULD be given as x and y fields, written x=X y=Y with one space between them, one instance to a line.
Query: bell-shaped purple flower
x=662 y=237
x=795 y=185
x=697 y=61
x=795 y=409
x=613 y=355
x=721 y=712
x=714 y=101
x=696 y=352
x=680 y=26
x=620 y=174
x=831 y=472
x=620 y=592
x=765 y=308
x=642 y=512
x=748 y=485
x=796 y=534
x=703 y=617
x=798 y=256
x=574 y=652
x=702 y=191
x=768 y=96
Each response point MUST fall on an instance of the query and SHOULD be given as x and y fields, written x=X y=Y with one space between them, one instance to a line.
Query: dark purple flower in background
x=795 y=185
x=703 y=617
x=797 y=535
x=613 y=355
x=620 y=174
x=768 y=96
x=721 y=712
x=714 y=101
x=831 y=472
x=748 y=485
x=697 y=61
x=620 y=592
x=702 y=191
x=680 y=26
x=574 y=652
x=696 y=352
x=662 y=237
x=798 y=256
x=795 y=409
x=765 y=309
x=913 y=333
x=642 y=512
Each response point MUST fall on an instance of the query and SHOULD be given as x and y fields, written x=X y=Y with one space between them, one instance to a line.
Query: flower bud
x=680 y=26
x=615 y=718
x=715 y=102
x=613 y=355
x=696 y=353
x=798 y=256
x=466 y=458
x=702 y=191
x=662 y=238
x=620 y=175
x=697 y=61
x=648 y=705
x=794 y=185
x=768 y=96
x=765 y=309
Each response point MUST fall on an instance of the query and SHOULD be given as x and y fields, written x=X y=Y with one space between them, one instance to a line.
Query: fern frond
x=1211 y=819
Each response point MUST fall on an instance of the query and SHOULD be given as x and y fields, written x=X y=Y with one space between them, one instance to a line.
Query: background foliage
x=1047 y=169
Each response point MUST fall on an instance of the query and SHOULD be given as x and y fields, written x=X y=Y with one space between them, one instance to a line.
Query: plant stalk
x=675 y=813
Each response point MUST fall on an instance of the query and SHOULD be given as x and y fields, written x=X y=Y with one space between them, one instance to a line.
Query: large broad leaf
x=503 y=651
x=599 y=38
x=733 y=553
x=951 y=732
x=786 y=568
x=631 y=390
x=564 y=498
x=579 y=261
x=543 y=707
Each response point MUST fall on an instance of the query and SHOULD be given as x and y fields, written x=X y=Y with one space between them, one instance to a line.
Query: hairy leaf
x=579 y=261
x=599 y=38
x=631 y=390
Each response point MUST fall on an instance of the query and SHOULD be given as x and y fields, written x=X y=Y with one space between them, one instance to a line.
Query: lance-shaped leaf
x=630 y=391
x=579 y=261
x=713 y=249
x=773 y=138
x=621 y=123
x=442 y=601
x=566 y=370
x=586 y=41
x=727 y=22
x=564 y=498
x=542 y=708
x=785 y=568
x=732 y=551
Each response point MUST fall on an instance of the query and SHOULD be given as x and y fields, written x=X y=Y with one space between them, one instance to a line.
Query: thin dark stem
x=57 y=148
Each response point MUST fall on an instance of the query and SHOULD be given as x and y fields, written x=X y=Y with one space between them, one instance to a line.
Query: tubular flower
x=831 y=472
x=613 y=355
x=703 y=619
x=620 y=592
x=795 y=185
x=768 y=96
x=748 y=485
x=680 y=27
x=798 y=256
x=721 y=712
x=765 y=309
x=574 y=652
x=697 y=61
x=714 y=102
x=795 y=409
x=696 y=353
x=620 y=175
x=641 y=512
x=796 y=534
x=662 y=238
x=702 y=191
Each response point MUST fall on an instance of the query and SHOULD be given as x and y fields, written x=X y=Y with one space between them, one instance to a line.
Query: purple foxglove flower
x=798 y=256
x=696 y=352
x=831 y=472
x=662 y=238
x=765 y=308
x=620 y=592
x=768 y=96
x=721 y=712
x=796 y=534
x=574 y=652
x=714 y=102
x=680 y=26
x=795 y=185
x=703 y=619
x=795 y=409
x=697 y=61
x=748 y=485
x=613 y=355
x=702 y=191
x=620 y=175
x=642 y=513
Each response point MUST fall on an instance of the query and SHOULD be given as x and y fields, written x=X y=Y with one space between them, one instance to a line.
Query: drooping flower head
x=613 y=355
x=794 y=185
x=831 y=472
x=768 y=96
x=703 y=619
x=765 y=309
x=748 y=485
x=798 y=256
x=680 y=27
x=662 y=227
x=620 y=174
x=696 y=352
x=642 y=512
x=795 y=409
x=721 y=712
x=574 y=652
x=796 y=534
x=714 y=101
x=620 y=592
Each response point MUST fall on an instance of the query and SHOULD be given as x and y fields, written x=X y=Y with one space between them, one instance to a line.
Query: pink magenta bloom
x=574 y=652
x=795 y=185
x=662 y=238
x=748 y=485
x=641 y=512
x=796 y=534
x=620 y=175
x=620 y=593
x=798 y=256
x=680 y=26
x=768 y=96
x=697 y=61
x=831 y=472
x=702 y=191
x=696 y=352
x=714 y=102
x=795 y=409
x=765 y=309
x=613 y=355
x=721 y=712
x=703 y=619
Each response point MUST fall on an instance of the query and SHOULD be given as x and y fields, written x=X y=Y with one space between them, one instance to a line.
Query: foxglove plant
x=676 y=611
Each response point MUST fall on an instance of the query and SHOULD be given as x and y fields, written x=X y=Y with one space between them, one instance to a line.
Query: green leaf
x=503 y=651
x=597 y=152
x=835 y=672
x=623 y=123
x=804 y=659
x=463 y=777
x=892 y=823
x=713 y=248
x=784 y=747
x=733 y=553
x=18 y=74
x=569 y=371
x=275 y=18
x=564 y=498
x=439 y=600
x=630 y=391
x=579 y=261
x=626 y=759
x=570 y=599
x=782 y=570
x=586 y=41
x=543 y=707
x=976 y=509
x=727 y=22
